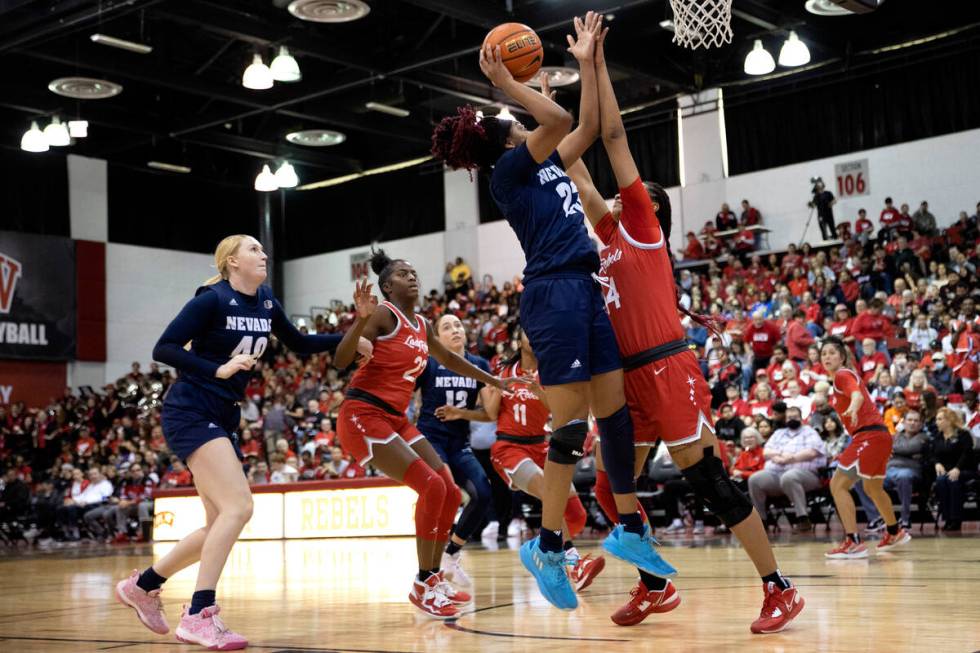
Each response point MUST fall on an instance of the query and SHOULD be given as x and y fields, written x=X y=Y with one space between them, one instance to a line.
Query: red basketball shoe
x=458 y=597
x=889 y=542
x=430 y=598
x=848 y=550
x=778 y=609
x=585 y=570
x=643 y=602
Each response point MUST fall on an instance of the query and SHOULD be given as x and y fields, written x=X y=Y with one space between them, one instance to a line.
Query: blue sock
x=618 y=450
x=150 y=580
x=550 y=540
x=632 y=523
x=201 y=599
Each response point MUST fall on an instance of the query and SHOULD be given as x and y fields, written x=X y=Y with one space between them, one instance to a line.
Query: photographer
x=823 y=201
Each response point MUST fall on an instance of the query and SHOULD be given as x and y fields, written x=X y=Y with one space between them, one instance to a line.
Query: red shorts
x=508 y=456
x=361 y=426
x=669 y=399
x=868 y=453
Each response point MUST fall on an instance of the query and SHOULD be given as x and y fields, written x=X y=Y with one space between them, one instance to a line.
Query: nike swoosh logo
x=657 y=372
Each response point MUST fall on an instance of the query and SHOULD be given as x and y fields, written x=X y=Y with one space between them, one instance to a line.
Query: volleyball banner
x=37 y=297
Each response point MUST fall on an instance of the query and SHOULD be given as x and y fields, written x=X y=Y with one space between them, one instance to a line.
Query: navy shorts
x=566 y=321
x=192 y=416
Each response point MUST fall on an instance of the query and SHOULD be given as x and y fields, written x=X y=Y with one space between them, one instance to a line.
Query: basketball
x=520 y=49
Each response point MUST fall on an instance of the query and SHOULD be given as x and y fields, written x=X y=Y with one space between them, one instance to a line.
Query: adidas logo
x=233 y=302
x=577 y=364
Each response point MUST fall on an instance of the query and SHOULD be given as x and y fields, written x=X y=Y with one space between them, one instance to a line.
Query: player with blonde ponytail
x=227 y=323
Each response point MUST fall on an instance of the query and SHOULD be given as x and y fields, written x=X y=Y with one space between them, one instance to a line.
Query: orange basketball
x=520 y=49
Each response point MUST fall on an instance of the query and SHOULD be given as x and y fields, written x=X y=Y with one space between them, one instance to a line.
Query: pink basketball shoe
x=207 y=629
x=147 y=605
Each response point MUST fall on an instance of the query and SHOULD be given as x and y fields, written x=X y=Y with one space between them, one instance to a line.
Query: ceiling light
x=265 y=181
x=387 y=108
x=84 y=88
x=122 y=44
x=316 y=137
x=285 y=176
x=759 y=61
x=557 y=76
x=257 y=76
x=505 y=114
x=284 y=67
x=794 y=52
x=78 y=128
x=169 y=167
x=826 y=8
x=667 y=24
x=33 y=139
x=329 y=11
x=56 y=133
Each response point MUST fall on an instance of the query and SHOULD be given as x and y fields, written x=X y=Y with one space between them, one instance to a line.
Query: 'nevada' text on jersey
x=542 y=206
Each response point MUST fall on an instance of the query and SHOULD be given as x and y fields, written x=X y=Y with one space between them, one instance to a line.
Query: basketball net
x=702 y=23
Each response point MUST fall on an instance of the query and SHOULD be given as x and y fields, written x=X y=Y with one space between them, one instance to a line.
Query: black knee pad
x=567 y=444
x=719 y=493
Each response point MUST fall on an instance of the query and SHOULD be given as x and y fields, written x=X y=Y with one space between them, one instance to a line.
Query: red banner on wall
x=33 y=382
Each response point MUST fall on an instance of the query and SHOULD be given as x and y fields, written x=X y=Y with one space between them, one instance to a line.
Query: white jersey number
x=413 y=373
x=245 y=347
x=571 y=204
x=520 y=414
x=460 y=398
x=612 y=295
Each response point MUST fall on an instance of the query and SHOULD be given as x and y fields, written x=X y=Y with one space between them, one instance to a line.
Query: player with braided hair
x=562 y=310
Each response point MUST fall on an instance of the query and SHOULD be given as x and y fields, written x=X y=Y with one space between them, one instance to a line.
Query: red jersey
x=521 y=412
x=846 y=381
x=889 y=218
x=638 y=281
x=863 y=225
x=763 y=339
x=841 y=329
x=869 y=325
x=399 y=358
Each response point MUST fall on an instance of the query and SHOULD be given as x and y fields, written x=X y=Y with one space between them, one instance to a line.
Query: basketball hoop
x=702 y=23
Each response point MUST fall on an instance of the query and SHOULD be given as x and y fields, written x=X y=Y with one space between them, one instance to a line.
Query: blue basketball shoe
x=638 y=550
x=548 y=570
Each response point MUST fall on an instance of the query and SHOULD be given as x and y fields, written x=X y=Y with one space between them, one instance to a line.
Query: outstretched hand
x=587 y=31
x=492 y=65
x=364 y=300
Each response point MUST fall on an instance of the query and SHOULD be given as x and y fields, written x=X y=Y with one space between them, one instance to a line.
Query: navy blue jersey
x=542 y=206
x=441 y=387
x=221 y=323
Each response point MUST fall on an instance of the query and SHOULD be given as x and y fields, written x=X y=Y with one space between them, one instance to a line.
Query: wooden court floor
x=350 y=595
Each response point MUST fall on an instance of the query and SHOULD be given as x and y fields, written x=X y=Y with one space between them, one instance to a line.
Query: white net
x=702 y=23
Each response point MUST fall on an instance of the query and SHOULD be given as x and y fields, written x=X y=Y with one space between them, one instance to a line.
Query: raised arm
x=369 y=324
x=595 y=206
x=582 y=47
x=613 y=131
x=554 y=122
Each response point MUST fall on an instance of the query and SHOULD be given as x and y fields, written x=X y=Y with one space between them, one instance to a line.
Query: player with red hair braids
x=562 y=310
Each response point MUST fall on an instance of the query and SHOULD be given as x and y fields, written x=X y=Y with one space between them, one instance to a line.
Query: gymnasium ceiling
x=184 y=103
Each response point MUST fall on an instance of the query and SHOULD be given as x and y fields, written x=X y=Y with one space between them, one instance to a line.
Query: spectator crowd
x=904 y=298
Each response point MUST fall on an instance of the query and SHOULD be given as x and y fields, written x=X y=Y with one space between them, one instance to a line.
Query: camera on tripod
x=816 y=181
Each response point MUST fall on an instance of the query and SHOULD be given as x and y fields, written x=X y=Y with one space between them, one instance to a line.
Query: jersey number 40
x=245 y=346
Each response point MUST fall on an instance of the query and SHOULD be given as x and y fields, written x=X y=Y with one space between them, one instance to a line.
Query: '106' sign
x=852 y=178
